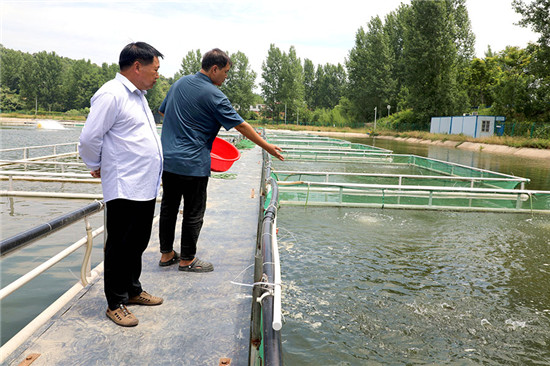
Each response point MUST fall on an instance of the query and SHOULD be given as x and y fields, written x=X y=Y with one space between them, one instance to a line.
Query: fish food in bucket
x=223 y=155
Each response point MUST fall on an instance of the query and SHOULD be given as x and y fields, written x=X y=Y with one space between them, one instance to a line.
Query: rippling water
x=393 y=287
x=361 y=286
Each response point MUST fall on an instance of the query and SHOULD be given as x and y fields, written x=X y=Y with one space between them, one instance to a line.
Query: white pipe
x=39 y=146
x=45 y=174
x=46 y=315
x=414 y=188
x=413 y=207
x=52 y=180
x=44 y=266
x=29 y=162
x=51 y=195
x=62 y=155
x=385 y=175
x=277 y=322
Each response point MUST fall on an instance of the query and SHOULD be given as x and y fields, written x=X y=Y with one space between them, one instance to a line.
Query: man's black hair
x=215 y=57
x=137 y=51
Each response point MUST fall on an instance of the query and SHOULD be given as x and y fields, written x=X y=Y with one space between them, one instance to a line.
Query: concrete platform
x=203 y=318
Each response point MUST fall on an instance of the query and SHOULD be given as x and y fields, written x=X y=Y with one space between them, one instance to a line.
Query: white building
x=475 y=126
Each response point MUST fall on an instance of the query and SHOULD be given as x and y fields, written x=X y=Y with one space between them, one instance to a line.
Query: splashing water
x=49 y=124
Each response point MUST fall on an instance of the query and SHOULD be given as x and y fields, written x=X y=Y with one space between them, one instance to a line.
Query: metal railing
x=266 y=299
x=400 y=178
x=32 y=176
x=26 y=150
x=413 y=197
x=21 y=240
x=61 y=164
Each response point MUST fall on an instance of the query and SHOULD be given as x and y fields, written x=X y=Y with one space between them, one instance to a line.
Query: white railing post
x=85 y=270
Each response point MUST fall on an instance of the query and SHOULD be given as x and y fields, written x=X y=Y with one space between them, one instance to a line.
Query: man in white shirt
x=120 y=144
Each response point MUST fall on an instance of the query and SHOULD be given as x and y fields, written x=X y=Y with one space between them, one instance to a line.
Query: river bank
x=471 y=146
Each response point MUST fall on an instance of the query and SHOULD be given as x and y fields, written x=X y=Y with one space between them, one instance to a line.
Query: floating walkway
x=205 y=318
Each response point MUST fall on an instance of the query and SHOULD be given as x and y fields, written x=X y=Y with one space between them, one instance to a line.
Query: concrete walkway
x=204 y=317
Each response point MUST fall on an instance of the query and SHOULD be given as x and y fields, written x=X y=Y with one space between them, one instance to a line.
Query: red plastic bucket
x=223 y=155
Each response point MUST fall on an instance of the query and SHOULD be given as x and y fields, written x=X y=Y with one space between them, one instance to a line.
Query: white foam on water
x=49 y=124
x=515 y=324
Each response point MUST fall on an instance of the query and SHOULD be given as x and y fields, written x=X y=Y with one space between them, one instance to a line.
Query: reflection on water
x=405 y=287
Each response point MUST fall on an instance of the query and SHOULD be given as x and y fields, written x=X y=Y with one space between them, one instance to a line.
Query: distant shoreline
x=471 y=146
x=525 y=152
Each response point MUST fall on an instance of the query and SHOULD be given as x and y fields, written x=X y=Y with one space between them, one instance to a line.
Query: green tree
x=480 y=79
x=83 y=80
x=108 y=72
x=464 y=39
x=292 y=84
x=271 y=84
x=394 y=28
x=11 y=67
x=9 y=100
x=369 y=71
x=515 y=90
x=29 y=81
x=190 y=64
x=47 y=84
x=330 y=86
x=239 y=84
x=309 y=80
x=430 y=52
x=156 y=94
x=535 y=14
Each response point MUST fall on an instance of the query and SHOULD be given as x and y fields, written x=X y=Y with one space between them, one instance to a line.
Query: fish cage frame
x=454 y=187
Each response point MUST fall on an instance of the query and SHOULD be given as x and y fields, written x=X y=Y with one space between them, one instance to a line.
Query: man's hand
x=275 y=151
x=250 y=133
x=96 y=173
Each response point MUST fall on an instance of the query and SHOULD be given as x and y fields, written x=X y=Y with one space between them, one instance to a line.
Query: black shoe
x=174 y=259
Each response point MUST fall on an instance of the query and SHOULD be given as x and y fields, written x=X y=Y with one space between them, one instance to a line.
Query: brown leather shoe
x=145 y=299
x=122 y=316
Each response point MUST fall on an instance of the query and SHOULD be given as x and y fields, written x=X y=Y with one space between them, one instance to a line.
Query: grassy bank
x=53 y=115
x=515 y=141
x=310 y=128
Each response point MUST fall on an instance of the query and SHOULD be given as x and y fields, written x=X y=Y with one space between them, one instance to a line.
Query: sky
x=322 y=31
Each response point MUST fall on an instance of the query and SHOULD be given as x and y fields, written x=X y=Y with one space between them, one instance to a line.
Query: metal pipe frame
x=401 y=176
x=25 y=238
x=430 y=192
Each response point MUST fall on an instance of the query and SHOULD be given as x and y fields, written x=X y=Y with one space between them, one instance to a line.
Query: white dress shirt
x=121 y=138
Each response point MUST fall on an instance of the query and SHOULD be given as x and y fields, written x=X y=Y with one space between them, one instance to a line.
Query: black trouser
x=193 y=191
x=128 y=232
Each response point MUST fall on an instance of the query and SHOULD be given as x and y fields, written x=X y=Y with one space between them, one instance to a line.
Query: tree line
x=416 y=63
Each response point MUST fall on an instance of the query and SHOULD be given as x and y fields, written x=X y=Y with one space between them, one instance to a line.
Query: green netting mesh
x=322 y=171
x=288 y=143
x=333 y=195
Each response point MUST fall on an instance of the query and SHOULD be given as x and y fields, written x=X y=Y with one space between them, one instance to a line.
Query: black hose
x=25 y=238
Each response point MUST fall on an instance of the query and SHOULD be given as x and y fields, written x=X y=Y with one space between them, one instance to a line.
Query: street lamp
x=375 y=108
x=389 y=106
